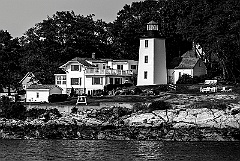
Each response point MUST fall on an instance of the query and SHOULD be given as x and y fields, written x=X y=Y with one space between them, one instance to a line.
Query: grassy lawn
x=184 y=95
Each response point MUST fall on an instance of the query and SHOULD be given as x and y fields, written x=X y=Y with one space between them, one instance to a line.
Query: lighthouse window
x=146 y=59
x=146 y=43
x=145 y=74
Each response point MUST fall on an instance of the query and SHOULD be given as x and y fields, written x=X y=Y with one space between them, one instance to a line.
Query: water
x=68 y=150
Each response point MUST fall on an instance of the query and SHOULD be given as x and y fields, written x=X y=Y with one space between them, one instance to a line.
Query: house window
x=37 y=95
x=134 y=67
x=58 y=79
x=64 y=79
x=75 y=81
x=120 y=67
x=146 y=59
x=97 y=80
x=61 y=79
x=146 y=43
x=145 y=74
x=75 y=68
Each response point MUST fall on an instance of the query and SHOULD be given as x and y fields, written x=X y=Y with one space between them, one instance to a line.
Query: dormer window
x=75 y=68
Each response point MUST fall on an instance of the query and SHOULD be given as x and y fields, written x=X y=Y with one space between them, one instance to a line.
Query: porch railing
x=108 y=72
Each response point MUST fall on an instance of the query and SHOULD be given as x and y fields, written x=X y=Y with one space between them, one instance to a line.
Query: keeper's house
x=90 y=75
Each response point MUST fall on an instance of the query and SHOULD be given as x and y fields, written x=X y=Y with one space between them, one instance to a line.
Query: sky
x=17 y=16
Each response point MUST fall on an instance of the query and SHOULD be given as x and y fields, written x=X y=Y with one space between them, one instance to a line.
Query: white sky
x=17 y=16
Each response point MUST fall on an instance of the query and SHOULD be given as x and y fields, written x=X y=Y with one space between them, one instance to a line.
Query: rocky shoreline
x=182 y=124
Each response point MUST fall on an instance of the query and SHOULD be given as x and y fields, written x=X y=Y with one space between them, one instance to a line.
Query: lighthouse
x=152 y=68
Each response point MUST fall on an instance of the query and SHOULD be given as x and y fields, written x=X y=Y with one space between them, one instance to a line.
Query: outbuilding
x=189 y=63
x=40 y=93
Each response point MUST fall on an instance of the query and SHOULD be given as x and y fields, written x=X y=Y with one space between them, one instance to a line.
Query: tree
x=9 y=58
x=214 y=25
x=131 y=22
x=62 y=37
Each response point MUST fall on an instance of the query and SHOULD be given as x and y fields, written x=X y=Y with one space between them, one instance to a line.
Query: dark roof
x=42 y=86
x=187 y=61
x=82 y=61
x=190 y=54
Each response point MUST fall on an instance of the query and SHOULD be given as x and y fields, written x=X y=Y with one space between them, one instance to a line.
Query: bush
x=185 y=79
x=57 y=98
x=12 y=110
x=121 y=111
x=55 y=112
x=35 y=113
x=158 y=105
x=110 y=87
x=74 y=110
x=139 y=107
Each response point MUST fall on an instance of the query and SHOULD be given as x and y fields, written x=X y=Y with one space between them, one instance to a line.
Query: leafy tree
x=9 y=58
x=131 y=22
x=12 y=110
x=214 y=25
x=62 y=37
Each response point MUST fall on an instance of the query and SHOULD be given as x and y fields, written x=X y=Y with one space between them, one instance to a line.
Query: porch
x=108 y=72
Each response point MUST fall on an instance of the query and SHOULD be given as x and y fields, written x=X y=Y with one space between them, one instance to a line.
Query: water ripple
x=77 y=150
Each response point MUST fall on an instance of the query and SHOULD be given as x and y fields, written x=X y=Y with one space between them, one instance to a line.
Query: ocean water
x=69 y=150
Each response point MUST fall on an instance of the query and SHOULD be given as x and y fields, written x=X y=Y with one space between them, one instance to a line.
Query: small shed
x=40 y=93
x=189 y=63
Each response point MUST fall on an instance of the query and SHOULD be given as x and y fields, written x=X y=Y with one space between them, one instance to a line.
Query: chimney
x=194 y=49
x=93 y=55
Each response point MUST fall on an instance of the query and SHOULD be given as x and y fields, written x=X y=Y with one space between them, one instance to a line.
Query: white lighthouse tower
x=152 y=68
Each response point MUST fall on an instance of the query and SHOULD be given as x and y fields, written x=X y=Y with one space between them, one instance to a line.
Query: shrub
x=12 y=110
x=55 y=112
x=139 y=107
x=185 y=79
x=35 y=113
x=121 y=111
x=57 y=98
x=158 y=105
x=110 y=87
x=74 y=110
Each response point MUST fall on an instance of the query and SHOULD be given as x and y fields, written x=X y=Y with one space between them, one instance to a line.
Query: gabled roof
x=29 y=74
x=187 y=61
x=82 y=61
x=43 y=86
x=190 y=54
